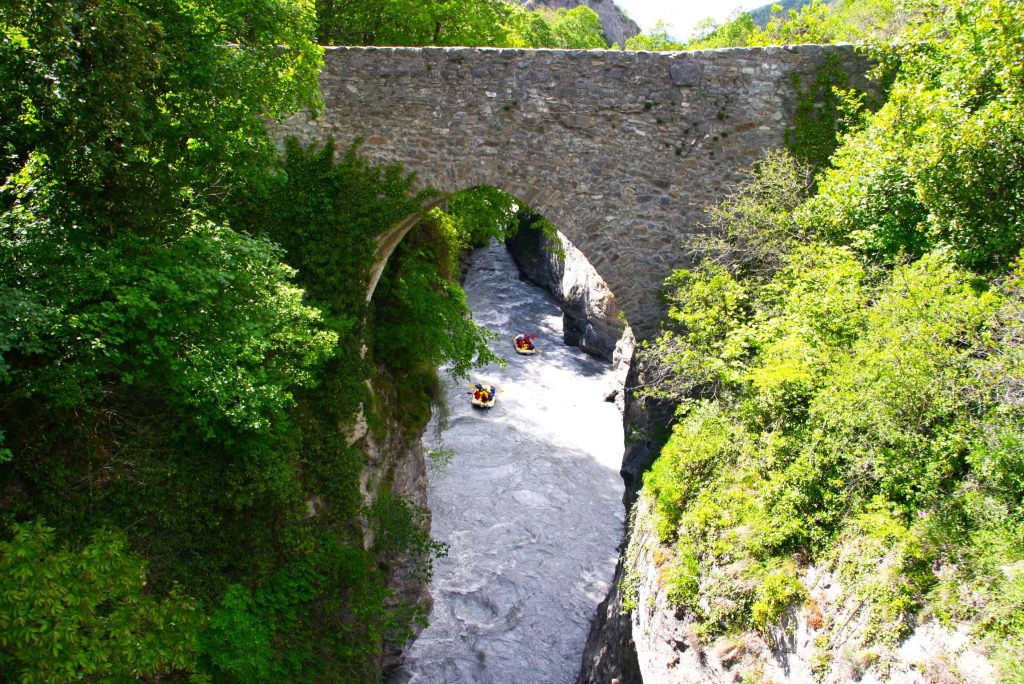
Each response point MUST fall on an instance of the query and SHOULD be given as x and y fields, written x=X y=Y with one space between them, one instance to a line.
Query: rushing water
x=530 y=504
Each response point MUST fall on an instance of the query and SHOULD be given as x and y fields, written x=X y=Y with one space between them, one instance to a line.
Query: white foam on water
x=531 y=504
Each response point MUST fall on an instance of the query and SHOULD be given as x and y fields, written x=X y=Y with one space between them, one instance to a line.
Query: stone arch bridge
x=622 y=151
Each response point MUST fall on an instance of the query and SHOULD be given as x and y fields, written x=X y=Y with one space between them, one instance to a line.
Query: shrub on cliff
x=846 y=395
x=859 y=406
x=940 y=163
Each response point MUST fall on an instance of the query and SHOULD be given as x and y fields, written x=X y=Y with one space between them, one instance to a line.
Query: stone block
x=685 y=73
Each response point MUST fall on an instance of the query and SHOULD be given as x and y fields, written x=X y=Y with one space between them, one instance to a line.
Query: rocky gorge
x=637 y=634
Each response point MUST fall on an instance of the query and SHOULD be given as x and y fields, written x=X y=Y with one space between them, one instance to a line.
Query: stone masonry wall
x=622 y=151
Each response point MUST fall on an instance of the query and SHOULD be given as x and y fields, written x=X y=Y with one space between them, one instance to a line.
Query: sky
x=682 y=15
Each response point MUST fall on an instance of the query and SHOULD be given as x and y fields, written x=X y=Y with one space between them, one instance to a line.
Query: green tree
x=578 y=28
x=492 y=23
x=162 y=372
x=940 y=163
x=133 y=125
x=144 y=109
x=400 y=22
x=527 y=29
x=737 y=31
x=157 y=350
x=655 y=40
x=481 y=213
x=856 y=21
x=72 y=615
x=137 y=124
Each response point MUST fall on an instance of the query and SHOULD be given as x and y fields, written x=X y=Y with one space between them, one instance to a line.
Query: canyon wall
x=656 y=642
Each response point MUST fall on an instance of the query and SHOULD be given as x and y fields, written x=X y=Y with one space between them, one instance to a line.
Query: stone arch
x=621 y=150
x=389 y=240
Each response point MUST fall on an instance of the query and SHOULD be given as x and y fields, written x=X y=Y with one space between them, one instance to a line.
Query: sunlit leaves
x=940 y=163
x=400 y=22
x=849 y=388
x=655 y=40
x=138 y=109
x=752 y=229
x=421 y=316
x=857 y=21
x=69 y=614
x=489 y=23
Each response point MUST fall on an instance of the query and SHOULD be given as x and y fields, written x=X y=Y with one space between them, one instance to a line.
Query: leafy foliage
x=940 y=163
x=655 y=40
x=420 y=314
x=853 y=21
x=143 y=315
x=398 y=22
x=69 y=615
x=478 y=214
x=832 y=393
x=181 y=326
x=456 y=22
x=848 y=368
x=753 y=229
x=823 y=112
x=276 y=632
x=145 y=108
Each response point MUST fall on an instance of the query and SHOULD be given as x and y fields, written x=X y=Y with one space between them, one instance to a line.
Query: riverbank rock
x=646 y=423
x=610 y=653
x=591 y=320
x=394 y=463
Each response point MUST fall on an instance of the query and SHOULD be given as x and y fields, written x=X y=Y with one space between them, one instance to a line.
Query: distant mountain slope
x=617 y=26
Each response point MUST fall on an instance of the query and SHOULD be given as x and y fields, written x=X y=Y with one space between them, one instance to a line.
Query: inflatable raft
x=492 y=393
x=526 y=349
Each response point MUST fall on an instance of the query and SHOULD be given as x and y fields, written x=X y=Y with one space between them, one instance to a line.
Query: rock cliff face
x=611 y=654
x=394 y=463
x=646 y=425
x=591 y=319
x=656 y=642
x=617 y=26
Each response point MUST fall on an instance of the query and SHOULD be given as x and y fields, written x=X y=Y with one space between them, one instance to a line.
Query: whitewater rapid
x=530 y=504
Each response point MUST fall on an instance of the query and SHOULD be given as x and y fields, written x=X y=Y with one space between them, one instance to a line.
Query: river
x=530 y=503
